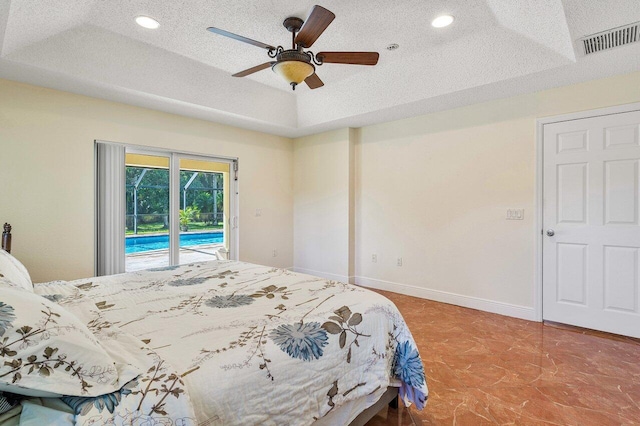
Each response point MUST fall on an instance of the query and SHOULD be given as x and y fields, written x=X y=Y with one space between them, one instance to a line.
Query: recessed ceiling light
x=442 y=21
x=146 y=22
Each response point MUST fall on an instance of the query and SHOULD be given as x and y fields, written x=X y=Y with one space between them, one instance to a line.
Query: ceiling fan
x=296 y=65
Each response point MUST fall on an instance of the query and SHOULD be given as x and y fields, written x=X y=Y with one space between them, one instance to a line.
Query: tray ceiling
x=495 y=48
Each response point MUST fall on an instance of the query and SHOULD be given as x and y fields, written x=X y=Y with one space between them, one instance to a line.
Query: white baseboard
x=486 y=305
x=501 y=308
x=335 y=277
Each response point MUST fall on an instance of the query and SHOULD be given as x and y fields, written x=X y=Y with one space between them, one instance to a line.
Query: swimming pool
x=159 y=242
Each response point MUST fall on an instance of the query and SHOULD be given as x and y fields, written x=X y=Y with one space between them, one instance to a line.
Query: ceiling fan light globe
x=293 y=71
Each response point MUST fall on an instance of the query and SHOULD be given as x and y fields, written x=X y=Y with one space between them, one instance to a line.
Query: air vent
x=609 y=39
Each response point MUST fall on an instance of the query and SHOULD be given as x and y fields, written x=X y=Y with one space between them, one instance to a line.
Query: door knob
x=551 y=232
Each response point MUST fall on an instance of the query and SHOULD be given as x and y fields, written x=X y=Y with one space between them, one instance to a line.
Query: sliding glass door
x=148 y=213
x=179 y=209
x=204 y=209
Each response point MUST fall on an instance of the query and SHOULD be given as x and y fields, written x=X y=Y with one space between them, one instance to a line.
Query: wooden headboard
x=6 y=238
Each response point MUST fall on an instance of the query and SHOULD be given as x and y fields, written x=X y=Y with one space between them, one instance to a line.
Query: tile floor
x=484 y=368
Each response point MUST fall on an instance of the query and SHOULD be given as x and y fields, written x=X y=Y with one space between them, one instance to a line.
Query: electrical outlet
x=275 y=253
x=258 y=212
x=374 y=258
x=399 y=261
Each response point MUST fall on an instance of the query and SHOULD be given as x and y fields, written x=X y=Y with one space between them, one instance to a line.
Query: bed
x=221 y=343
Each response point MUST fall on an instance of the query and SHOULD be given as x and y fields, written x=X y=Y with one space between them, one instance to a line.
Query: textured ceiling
x=495 y=48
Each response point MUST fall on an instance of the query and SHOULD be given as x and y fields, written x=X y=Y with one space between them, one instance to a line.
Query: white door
x=591 y=249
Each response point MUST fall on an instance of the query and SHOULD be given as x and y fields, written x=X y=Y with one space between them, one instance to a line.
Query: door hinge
x=235 y=170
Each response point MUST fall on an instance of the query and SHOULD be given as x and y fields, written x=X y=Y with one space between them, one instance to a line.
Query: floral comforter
x=252 y=344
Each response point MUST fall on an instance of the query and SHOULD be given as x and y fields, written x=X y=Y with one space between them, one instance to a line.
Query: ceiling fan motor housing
x=293 y=55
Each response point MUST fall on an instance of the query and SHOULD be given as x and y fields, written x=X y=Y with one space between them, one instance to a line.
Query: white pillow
x=4 y=282
x=14 y=271
x=46 y=350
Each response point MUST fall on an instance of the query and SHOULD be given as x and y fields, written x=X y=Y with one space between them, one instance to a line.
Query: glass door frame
x=174 y=196
x=174 y=203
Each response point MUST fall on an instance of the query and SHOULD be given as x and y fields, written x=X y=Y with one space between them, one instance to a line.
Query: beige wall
x=321 y=204
x=47 y=175
x=438 y=199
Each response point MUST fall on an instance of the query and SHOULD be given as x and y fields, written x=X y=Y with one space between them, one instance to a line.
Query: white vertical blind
x=174 y=206
x=110 y=179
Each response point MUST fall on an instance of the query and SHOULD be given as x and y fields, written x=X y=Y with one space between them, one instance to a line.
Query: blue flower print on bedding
x=302 y=341
x=82 y=405
x=188 y=281
x=232 y=301
x=164 y=268
x=53 y=297
x=7 y=316
x=408 y=368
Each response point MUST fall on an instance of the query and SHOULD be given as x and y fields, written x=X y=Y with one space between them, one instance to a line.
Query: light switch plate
x=515 y=214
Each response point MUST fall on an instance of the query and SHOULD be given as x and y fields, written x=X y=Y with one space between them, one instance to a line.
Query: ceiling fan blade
x=253 y=69
x=354 y=58
x=318 y=20
x=240 y=38
x=313 y=81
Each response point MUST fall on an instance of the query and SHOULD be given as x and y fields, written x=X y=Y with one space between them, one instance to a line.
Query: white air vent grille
x=611 y=38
